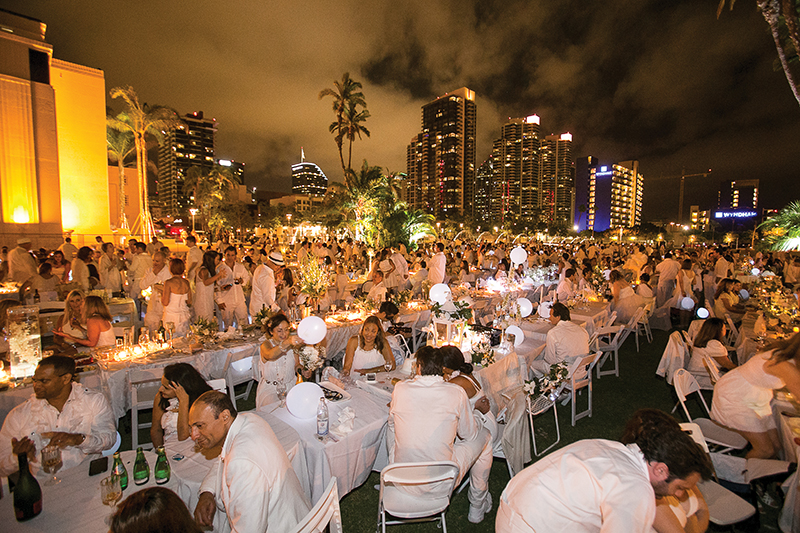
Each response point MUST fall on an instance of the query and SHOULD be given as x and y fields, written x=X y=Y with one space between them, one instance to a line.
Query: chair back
x=685 y=384
x=581 y=370
x=501 y=380
x=733 y=332
x=239 y=367
x=324 y=514
x=694 y=431
x=711 y=365
x=415 y=490
x=694 y=328
x=218 y=385
x=144 y=385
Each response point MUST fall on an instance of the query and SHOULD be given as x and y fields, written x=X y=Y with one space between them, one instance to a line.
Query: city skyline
x=668 y=85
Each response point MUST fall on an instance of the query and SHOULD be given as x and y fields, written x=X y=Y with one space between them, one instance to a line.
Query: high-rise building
x=188 y=145
x=235 y=167
x=611 y=193
x=486 y=204
x=516 y=157
x=308 y=178
x=557 y=178
x=441 y=159
x=738 y=194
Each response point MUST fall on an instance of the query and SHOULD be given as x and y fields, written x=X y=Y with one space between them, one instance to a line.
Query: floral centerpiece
x=550 y=384
x=261 y=319
x=507 y=312
x=460 y=311
x=363 y=304
x=482 y=353
x=204 y=330
x=311 y=357
x=313 y=279
x=540 y=275
x=400 y=298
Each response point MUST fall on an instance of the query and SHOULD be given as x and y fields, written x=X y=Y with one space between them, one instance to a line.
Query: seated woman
x=465 y=275
x=45 y=283
x=99 y=331
x=177 y=298
x=61 y=268
x=368 y=351
x=459 y=372
x=181 y=385
x=625 y=302
x=70 y=322
x=644 y=289
x=153 y=510
x=278 y=361
x=727 y=302
x=708 y=342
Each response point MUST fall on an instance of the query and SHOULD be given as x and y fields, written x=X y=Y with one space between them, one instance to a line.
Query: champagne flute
x=388 y=366
x=110 y=491
x=280 y=386
x=51 y=463
x=170 y=327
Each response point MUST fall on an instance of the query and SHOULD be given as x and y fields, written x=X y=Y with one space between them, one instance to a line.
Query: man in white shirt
x=377 y=293
x=601 y=485
x=61 y=413
x=565 y=342
x=155 y=278
x=138 y=265
x=253 y=482
x=263 y=294
x=194 y=258
x=401 y=267
x=233 y=299
x=566 y=287
x=417 y=279
x=68 y=249
x=21 y=264
x=436 y=266
x=721 y=267
x=430 y=420
x=667 y=272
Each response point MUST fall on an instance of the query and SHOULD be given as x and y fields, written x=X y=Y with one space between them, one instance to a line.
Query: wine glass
x=51 y=463
x=170 y=327
x=110 y=491
x=388 y=366
x=280 y=386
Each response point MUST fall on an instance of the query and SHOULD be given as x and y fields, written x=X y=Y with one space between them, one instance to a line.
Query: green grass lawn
x=615 y=399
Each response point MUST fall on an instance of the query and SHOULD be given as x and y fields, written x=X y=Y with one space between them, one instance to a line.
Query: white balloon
x=755 y=272
x=439 y=293
x=744 y=294
x=525 y=307
x=687 y=303
x=703 y=313
x=519 y=336
x=302 y=401
x=312 y=329
x=518 y=255
x=544 y=309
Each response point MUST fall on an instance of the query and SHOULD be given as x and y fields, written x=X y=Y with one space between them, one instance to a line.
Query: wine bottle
x=322 y=418
x=162 y=333
x=27 y=492
x=141 y=470
x=162 y=470
x=120 y=471
x=36 y=298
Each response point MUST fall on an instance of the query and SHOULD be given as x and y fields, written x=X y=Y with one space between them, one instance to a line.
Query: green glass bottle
x=162 y=470
x=27 y=493
x=141 y=470
x=120 y=470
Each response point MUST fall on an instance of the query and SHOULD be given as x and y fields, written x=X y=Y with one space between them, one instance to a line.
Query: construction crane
x=683 y=175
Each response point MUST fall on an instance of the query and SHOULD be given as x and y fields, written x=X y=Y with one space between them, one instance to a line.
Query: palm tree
x=781 y=16
x=209 y=190
x=782 y=232
x=353 y=127
x=346 y=94
x=120 y=146
x=141 y=121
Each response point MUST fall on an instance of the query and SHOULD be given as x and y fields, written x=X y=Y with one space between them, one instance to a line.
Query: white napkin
x=344 y=425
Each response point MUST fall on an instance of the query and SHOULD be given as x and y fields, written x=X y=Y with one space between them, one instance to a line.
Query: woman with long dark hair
x=278 y=361
x=708 y=347
x=181 y=385
x=204 y=285
x=368 y=351
x=97 y=318
x=153 y=510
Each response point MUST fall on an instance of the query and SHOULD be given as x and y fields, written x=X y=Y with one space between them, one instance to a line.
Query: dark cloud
x=664 y=82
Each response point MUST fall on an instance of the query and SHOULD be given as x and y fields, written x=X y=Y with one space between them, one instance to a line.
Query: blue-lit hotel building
x=611 y=194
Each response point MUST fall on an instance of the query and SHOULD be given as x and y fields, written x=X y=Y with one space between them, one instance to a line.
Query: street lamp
x=193 y=211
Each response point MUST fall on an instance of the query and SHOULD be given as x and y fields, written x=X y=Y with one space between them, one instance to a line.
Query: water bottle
x=119 y=470
x=27 y=492
x=162 y=471
x=141 y=470
x=322 y=418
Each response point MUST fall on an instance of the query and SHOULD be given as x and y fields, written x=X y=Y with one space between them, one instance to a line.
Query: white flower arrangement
x=550 y=384
x=540 y=275
x=311 y=358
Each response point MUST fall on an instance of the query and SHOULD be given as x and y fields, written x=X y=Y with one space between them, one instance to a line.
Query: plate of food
x=334 y=393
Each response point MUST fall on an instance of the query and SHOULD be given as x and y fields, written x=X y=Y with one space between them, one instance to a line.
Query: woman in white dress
x=110 y=277
x=99 y=331
x=181 y=385
x=625 y=301
x=278 y=360
x=177 y=298
x=684 y=286
x=207 y=275
x=70 y=322
x=708 y=344
x=742 y=396
x=369 y=351
x=61 y=268
x=459 y=372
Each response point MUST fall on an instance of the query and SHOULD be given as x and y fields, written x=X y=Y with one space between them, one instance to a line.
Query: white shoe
x=476 y=514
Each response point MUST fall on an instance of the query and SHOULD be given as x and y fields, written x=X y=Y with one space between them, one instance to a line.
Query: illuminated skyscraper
x=308 y=178
x=486 y=205
x=738 y=194
x=441 y=159
x=612 y=194
x=188 y=145
x=516 y=158
x=557 y=172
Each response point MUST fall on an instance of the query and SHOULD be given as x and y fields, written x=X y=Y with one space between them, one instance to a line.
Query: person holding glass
x=177 y=298
x=277 y=362
x=181 y=385
x=369 y=351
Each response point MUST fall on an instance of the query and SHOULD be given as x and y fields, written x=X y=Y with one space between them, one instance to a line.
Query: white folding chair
x=732 y=339
x=537 y=407
x=634 y=322
x=724 y=507
x=643 y=326
x=685 y=384
x=612 y=346
x=433 y=483
x=325 y=515
x=144 y=386
x=418 y=339
x=580 y=378
x=711 y=366
x=239 y=368
x=218 y=385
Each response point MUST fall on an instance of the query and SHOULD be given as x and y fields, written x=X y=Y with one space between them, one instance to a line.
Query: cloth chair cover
x=675 y=356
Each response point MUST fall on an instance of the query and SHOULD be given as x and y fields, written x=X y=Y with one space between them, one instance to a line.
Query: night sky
x=663 y=82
